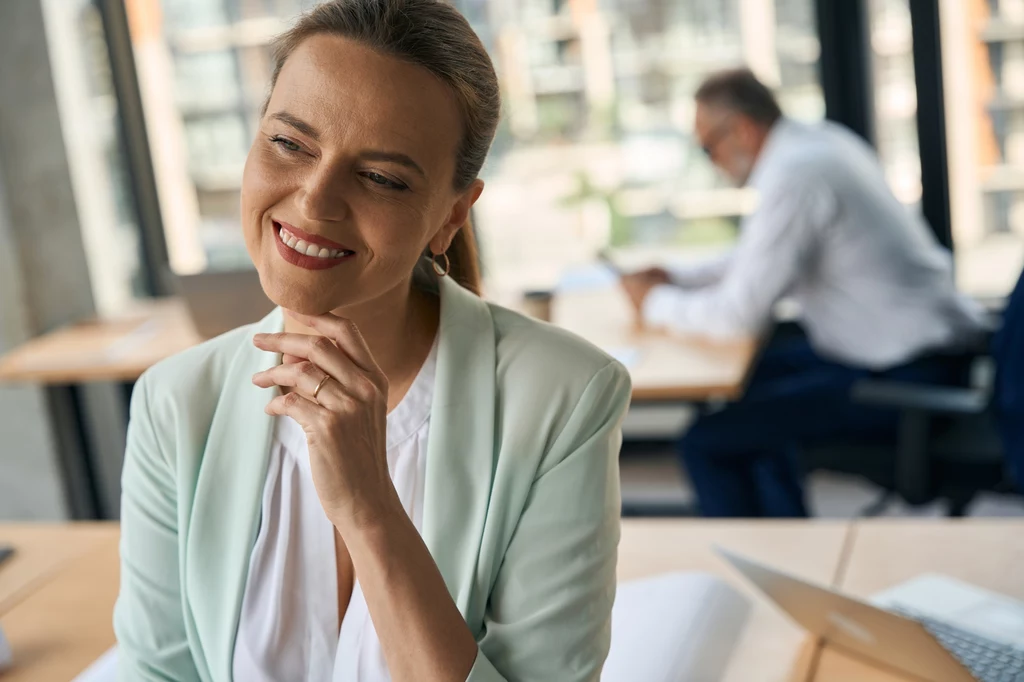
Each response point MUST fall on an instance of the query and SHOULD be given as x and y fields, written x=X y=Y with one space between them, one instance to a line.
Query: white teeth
x=308 y=249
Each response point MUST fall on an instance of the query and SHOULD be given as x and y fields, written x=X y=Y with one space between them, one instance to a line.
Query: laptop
x=932 y=628
x=221 y=301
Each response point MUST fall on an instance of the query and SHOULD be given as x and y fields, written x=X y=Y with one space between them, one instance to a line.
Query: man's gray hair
x=739 y=91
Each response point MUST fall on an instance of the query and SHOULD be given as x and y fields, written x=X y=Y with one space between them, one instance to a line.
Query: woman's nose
x=323 y=196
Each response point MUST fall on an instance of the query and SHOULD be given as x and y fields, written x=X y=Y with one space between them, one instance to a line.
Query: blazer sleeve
x=149 y=616
x=549 y=612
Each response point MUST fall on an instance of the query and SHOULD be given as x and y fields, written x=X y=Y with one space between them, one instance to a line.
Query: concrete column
x=44 y=283
x=30 y=483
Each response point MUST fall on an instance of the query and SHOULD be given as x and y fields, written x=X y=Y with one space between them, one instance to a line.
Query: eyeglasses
x=715 y=136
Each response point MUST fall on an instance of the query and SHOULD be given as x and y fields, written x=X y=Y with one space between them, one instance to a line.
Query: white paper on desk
x=629 y=356
x=103 y=669
x=587 y=278
x=676 y=627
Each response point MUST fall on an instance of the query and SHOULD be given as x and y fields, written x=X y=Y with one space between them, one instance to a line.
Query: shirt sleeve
x=702 y=274
x=778 y=241
x=148 y=616
x=549 y=612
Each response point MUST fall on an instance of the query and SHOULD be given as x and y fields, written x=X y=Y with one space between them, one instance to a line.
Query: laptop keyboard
x=988 y=660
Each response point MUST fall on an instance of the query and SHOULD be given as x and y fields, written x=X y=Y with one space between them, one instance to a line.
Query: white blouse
x=288 y=630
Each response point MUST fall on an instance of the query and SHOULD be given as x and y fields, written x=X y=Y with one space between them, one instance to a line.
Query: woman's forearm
x=422 y=632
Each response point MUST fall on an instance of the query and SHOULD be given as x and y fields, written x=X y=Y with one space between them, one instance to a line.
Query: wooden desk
x=772 y=648
x=61 y=628
x=41 y=551
x=62 y=622
x=884 y=553
x=104 y=350
x=664 y=368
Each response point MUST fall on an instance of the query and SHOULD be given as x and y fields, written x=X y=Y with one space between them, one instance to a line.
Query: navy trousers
x=743 y=460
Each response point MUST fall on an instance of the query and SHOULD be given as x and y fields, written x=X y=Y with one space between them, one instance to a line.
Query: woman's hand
x=346 y=425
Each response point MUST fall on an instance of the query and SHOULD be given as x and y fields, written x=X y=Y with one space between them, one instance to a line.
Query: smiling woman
x=364 y=485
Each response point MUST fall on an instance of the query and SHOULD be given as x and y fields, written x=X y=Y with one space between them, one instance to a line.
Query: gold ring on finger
x=316 y=391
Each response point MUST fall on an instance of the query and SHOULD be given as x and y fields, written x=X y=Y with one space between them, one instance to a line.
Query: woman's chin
x=299 y=300
x=305 y=305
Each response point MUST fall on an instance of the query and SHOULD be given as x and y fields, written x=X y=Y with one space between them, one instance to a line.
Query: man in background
x=874 y=289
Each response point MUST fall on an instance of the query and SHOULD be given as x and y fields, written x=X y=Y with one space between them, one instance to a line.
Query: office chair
x=956 y=442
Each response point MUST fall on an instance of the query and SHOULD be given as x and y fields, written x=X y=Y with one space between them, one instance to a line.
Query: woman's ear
x=458 y=217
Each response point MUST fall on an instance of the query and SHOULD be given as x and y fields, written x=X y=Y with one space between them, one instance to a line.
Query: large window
x=983 y=64
x=96 y=159
x=595 y=148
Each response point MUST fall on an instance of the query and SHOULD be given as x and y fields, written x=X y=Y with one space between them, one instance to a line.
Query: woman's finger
x=325 y=354
x=303 y=376
x=305 y=412
x=344 y=333
x=297 y=345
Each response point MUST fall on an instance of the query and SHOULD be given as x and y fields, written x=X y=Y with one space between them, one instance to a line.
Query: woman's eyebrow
x=394 y=157
x=297 y=123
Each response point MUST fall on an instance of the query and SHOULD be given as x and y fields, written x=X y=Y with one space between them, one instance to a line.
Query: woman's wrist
x=374 y=515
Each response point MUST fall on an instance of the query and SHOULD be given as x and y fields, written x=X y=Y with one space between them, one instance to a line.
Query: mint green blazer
x=521 y=501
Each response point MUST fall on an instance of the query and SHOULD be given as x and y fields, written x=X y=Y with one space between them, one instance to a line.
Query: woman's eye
x=285 y=143
x=378 y=179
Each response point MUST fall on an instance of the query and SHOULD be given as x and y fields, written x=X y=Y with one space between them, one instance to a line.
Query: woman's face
x=352 y=166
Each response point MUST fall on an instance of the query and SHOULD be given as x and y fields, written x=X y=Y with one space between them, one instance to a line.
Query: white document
x=103 y=669
x=676 y=627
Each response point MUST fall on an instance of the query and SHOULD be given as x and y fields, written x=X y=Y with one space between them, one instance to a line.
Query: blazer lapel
x=460 y=448
x=226 y=512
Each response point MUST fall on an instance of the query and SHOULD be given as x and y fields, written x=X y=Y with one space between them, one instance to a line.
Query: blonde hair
x=433 y=35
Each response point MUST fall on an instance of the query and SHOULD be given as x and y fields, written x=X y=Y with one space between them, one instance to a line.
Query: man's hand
x=639 y=284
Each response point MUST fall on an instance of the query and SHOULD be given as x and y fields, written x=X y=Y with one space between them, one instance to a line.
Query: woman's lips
x=335 y=254
x=317 y=239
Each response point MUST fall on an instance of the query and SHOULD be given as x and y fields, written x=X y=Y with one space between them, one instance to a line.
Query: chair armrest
x=926 y=398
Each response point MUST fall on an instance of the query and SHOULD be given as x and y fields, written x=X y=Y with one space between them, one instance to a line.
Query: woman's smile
x=308 y=251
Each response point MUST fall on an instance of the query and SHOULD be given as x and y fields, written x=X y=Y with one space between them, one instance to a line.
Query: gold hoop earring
x=439 y=269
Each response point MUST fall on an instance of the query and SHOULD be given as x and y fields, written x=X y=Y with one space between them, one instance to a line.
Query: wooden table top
x=41 y=551
x=118 y=349
x=65 y=624
x=986 y=552
x=57 y=594
x=662 y=367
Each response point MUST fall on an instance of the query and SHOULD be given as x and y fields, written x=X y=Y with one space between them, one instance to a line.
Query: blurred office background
x=125 y=125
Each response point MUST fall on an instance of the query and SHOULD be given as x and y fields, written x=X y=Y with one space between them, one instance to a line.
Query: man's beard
x=741 y=168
